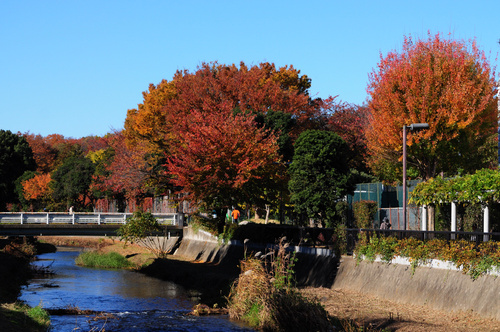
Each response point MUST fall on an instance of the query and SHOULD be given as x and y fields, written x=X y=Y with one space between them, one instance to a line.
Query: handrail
x=79 y=218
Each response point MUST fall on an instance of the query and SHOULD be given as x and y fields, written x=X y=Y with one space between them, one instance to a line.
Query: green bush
x=364 y=212
x=143 y=228
x=111 y=260
x=39 y=315
x=139 y=226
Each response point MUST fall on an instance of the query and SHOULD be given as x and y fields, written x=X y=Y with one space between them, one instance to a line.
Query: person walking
x=236 y=215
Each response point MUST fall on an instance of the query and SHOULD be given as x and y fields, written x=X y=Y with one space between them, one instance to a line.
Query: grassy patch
x=110 y=260
x=21 y=317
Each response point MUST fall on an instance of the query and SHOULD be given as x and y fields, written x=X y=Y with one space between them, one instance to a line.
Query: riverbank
x=200 y=267
x=15 y=257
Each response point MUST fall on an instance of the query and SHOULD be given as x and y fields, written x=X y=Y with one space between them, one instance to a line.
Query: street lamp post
x=412 y=127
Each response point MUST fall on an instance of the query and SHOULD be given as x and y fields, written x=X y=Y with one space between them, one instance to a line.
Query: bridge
x=77 y=224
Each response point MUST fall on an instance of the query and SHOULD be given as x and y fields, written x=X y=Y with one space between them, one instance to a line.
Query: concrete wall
x=443 y=289
x=314 y=267
x=437 y=288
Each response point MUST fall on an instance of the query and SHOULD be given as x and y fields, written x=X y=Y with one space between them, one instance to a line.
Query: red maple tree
x=221 y=158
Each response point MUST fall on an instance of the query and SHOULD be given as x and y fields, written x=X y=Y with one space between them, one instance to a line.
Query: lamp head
x=418 y=126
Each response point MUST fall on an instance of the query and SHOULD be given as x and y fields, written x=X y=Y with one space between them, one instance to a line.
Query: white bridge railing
x=23 y=218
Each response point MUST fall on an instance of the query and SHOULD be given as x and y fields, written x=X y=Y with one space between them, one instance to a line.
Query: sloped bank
x=203 y=264
x=444 y=289
x=314 y=267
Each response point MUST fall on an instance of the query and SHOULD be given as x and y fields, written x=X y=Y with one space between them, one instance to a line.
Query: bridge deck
x=79 y=224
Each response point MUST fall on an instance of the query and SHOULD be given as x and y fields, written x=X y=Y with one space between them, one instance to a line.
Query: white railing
x=79 y=218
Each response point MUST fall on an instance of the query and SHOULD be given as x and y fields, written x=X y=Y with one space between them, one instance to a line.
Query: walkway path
x=371 y=311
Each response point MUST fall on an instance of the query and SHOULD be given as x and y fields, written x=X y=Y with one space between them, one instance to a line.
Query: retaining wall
x=444 y=289
x=314 y=267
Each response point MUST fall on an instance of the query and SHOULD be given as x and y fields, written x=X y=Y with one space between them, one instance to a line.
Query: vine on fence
x=474 y=261
x=483 y=186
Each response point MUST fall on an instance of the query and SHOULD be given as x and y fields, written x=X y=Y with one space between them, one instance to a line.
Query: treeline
x=253 y=137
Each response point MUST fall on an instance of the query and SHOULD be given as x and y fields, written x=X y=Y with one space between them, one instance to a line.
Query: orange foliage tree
x=124 y=168
x=446 y=83
x=37 y=188
x=43 y=152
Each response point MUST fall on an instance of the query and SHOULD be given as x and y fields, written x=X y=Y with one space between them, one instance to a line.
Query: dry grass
x=368 y=313
x=264 y=297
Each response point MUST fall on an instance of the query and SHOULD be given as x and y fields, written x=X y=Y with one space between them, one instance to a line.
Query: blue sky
x=75 y=67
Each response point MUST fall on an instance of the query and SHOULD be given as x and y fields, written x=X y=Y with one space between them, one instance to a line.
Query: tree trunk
x=430 y=217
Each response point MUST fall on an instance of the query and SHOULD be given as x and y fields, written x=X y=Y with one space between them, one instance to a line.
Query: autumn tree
x=162 y=121
x=216 y=88
x=126 y=167
x=319 y=174
x=44 y=153
x=349 y=122
x=37 y=190
x=446 y=83
x=223 y=160
x=16 y=157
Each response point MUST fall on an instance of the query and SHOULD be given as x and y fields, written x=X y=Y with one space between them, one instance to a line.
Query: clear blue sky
x=75 y=67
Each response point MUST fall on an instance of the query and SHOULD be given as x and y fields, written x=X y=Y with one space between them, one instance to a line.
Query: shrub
x=143 y=228
x=39 y=315
x=364 y=212
x=474 y=261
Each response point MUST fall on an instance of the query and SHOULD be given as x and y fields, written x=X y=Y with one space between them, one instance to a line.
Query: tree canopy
x=217 y=88
x=71 y=181
x=319 y=174
x=16 y=157
x=446 y=83
x=221 y=160
x=222 y=122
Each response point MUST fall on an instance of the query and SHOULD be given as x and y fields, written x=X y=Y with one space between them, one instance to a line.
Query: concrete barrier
x=314 y=267
x=443 y=289
x=438 y=288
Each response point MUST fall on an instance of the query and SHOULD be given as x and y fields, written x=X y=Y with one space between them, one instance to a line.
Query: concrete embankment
x=443 y=289
x=314 y=267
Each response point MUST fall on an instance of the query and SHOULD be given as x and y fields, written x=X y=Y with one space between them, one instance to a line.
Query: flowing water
x=136 y=302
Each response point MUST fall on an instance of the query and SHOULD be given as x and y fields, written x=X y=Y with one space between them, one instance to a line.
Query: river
x=136 y=302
